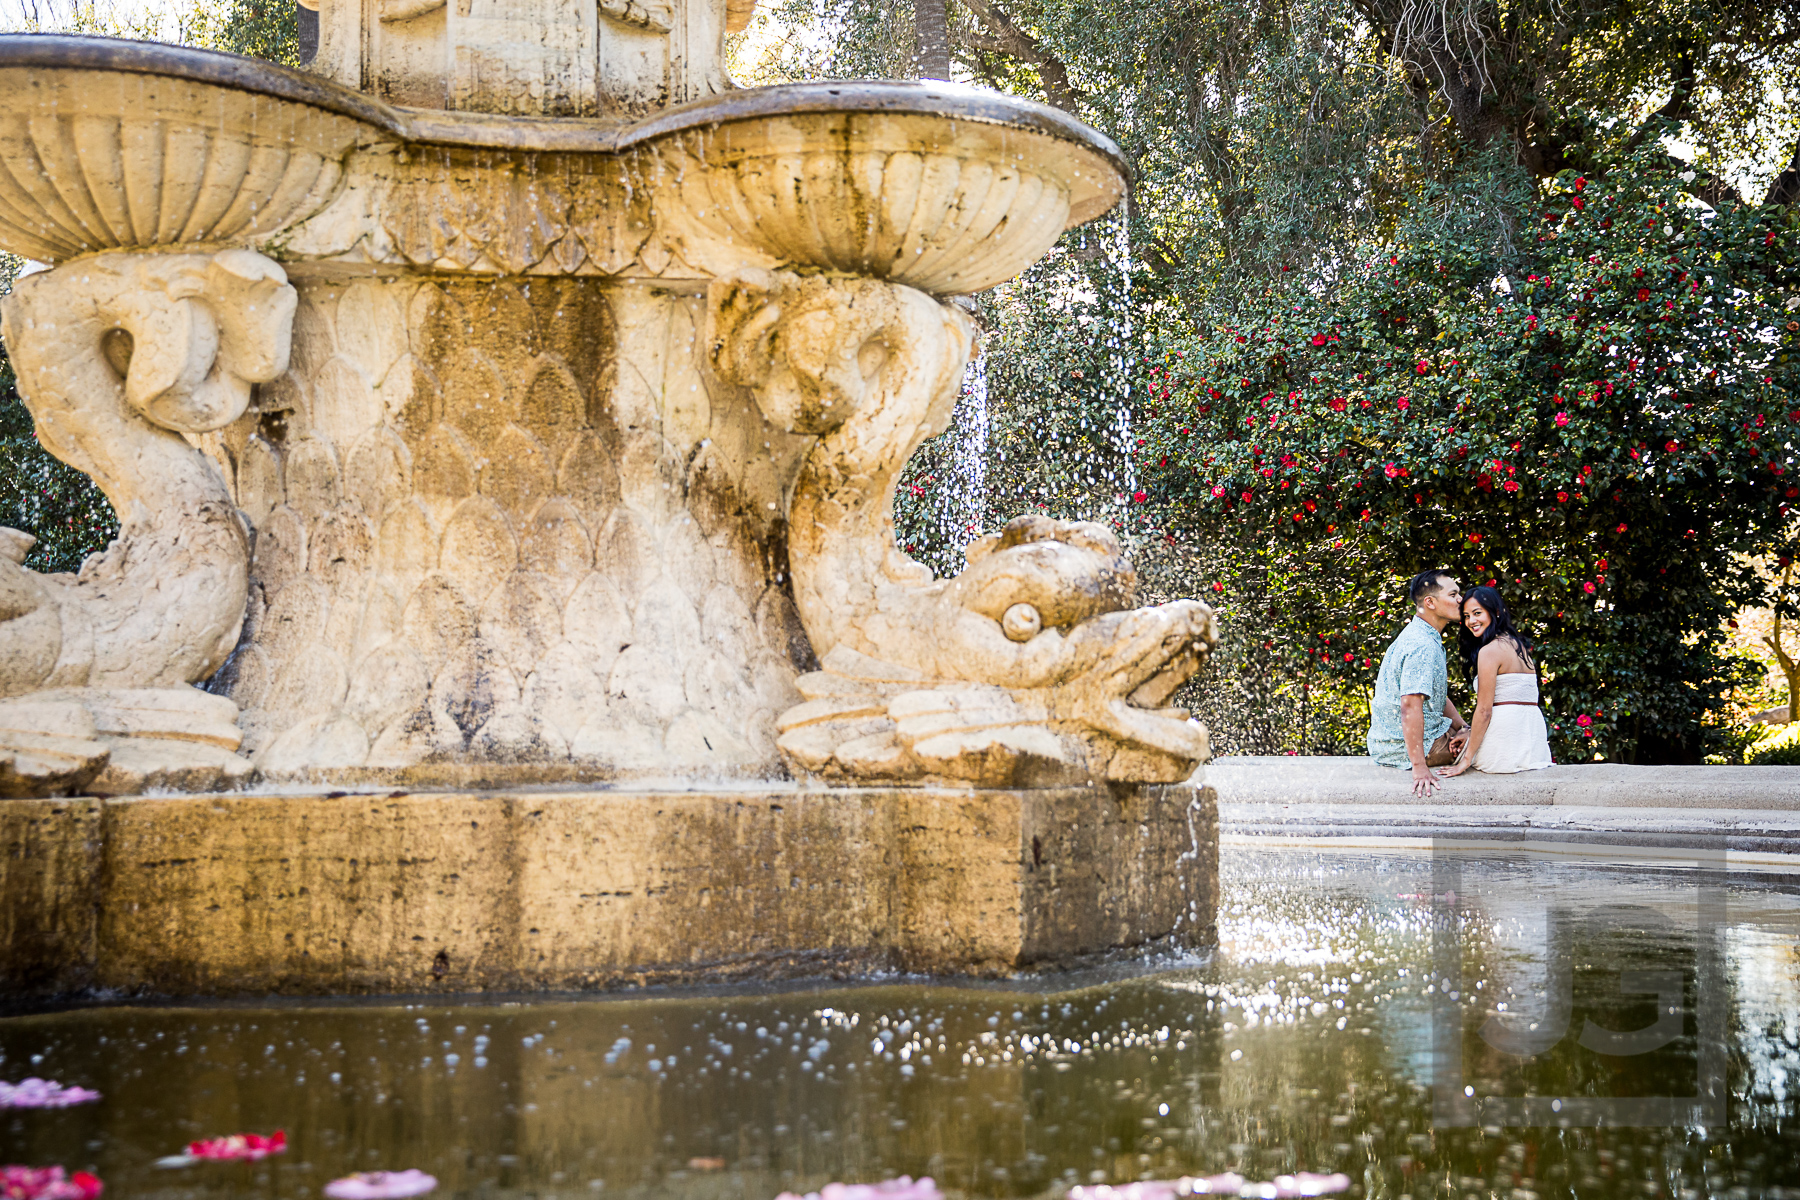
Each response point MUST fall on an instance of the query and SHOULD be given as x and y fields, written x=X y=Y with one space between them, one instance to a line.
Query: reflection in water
x=1306 y=1044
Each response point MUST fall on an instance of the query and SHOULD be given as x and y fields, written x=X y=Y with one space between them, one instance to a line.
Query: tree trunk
x=931 y=39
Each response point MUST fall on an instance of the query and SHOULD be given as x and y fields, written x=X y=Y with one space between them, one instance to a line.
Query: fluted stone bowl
x=942 y=187
x=108 y=144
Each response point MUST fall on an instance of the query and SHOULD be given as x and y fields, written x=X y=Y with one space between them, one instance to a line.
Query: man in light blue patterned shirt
x=1412 y=722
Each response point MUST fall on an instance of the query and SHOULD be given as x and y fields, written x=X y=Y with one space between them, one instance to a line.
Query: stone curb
x=1358 y=781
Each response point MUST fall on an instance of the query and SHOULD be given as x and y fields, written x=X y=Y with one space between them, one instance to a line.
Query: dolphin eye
x=116 y=347
x=1021 y=622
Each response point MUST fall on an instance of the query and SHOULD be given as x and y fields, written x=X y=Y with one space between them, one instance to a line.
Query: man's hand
x=1459 y=737
x=1423 y=781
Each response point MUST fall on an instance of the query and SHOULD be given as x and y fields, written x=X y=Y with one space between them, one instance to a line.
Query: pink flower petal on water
x=1143 y=1189
x=903 y=1188
x=43 y=1093
x=47 y=1183
x=246 y=1147
x=380 y=1185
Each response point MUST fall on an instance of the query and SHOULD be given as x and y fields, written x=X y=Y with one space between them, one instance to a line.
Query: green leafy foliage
x=1781 y=750
x=1601 y=425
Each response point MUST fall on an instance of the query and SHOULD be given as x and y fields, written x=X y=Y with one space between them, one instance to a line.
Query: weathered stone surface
x=516 y=576
x=50 y=873
x=1027 y=669
x=585 y=890
x=118 y=359
x=512 y=513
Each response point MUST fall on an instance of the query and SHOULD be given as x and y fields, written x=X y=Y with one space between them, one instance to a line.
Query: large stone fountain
x=503 y=421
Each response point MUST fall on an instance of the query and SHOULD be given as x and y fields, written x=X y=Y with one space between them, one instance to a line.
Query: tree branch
x=1015 y=41
x=1786 y=187
x=1676 y=109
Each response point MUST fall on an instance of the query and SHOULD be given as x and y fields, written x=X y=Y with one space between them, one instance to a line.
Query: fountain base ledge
x=587 y=890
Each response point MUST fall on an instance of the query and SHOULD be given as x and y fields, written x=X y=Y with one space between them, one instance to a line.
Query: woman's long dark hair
x=1500 y=625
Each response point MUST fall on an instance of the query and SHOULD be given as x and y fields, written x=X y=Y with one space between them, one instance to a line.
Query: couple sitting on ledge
x=1412 y=721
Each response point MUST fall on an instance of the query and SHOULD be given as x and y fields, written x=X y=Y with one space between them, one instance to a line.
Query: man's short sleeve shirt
x=1414 y=665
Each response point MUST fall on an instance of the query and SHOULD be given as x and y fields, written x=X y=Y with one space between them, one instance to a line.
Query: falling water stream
x=1314 y=1039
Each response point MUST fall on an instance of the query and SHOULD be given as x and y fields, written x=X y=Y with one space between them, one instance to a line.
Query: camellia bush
x=1598 y=418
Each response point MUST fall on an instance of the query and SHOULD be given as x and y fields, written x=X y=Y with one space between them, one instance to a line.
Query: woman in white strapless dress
x=1507 y=733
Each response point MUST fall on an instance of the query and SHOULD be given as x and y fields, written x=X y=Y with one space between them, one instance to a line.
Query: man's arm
x=1412 y=728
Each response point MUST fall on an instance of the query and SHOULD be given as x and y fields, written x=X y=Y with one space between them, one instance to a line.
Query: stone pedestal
x=405 y=893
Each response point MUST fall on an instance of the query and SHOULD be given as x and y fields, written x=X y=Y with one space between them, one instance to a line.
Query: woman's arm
x=1487 y=673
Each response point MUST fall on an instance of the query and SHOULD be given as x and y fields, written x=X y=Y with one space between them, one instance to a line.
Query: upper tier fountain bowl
x=108 y=145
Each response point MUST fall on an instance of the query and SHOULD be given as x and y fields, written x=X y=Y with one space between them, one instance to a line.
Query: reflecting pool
x=1502 y=1026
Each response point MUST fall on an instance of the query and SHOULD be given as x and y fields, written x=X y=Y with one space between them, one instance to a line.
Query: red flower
x=1643 y=294
x=1588 y=588
x=1318 y=339
x=1584 y=720
x=248 y=1146
x=1299 y=517
x=1337 y=404
x=1402 y=404
x=1218 y=587
x=1580 y=182
x=1140 y=497
x=1578 y=202
x=1512 y=485
x=1391 y=471
x=1562 y=497
x=1562 y=418
x=1671 y=446
x=47 y=1183
x=1247 y=497
x=1365 y=515
x=1423 y=367
x=1218 y=491
x=1349 y=658
x=1621 y=528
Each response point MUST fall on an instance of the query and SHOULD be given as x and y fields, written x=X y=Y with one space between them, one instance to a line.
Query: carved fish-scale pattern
x=510 y=522
x=485 y=211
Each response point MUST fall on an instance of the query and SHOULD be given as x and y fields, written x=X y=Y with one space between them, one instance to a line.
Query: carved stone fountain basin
x=104 y=147
x=516 y=508
x=461 y=458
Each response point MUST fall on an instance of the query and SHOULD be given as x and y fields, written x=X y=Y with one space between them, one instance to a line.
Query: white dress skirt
x=1517 y=739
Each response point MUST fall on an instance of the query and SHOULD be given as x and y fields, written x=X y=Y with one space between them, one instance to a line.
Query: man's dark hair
x=1426 y=583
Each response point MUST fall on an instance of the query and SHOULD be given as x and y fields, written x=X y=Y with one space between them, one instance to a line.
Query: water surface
x=1310 y=1041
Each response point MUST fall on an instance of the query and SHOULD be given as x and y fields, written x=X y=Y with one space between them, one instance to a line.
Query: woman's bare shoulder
x=1501 y=653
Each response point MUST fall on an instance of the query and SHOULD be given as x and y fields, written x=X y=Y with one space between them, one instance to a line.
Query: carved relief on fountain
x=119 y=358
x=1030 y=667
x=582 y=463
x=560 y=58
x=509 y=522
